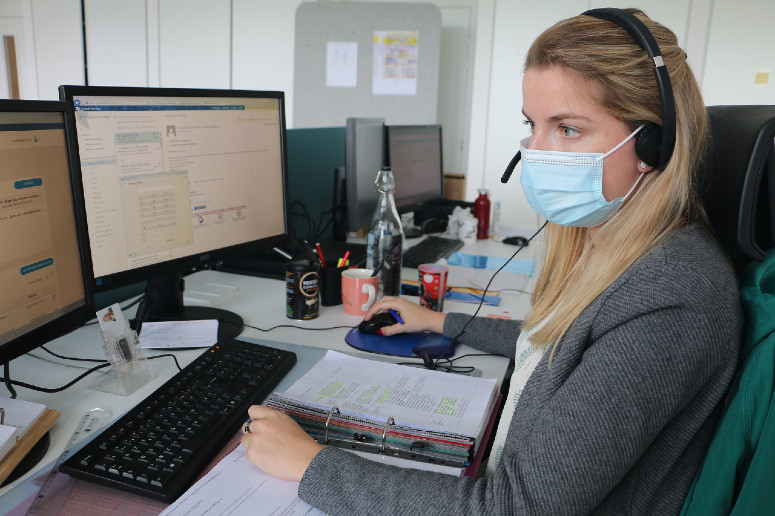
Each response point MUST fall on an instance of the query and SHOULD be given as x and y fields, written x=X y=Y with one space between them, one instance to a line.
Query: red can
x=433 y=285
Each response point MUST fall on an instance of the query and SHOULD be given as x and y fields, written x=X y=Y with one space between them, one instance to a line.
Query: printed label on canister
x=301 y=291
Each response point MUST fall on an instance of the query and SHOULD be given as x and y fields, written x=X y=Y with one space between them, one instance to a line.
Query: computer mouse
x=377 y=322
x=515 y=240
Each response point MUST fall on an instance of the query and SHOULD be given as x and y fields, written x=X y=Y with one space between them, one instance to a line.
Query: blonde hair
x=575 y=271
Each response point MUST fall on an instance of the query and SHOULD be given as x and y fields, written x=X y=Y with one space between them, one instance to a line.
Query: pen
x=343 y=260
x=320 y=254
x=395 y=314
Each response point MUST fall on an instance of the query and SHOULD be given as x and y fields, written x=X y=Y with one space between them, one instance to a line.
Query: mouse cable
x=445 y=367
x=481 y=302
x=292 y=326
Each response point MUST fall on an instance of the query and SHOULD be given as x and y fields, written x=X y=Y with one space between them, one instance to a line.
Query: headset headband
x=645 y=39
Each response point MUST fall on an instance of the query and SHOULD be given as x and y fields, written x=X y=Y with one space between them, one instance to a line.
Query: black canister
x=302 y=298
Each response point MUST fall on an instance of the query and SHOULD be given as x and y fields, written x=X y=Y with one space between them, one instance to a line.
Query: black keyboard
x=430 y=250
x=160 y=447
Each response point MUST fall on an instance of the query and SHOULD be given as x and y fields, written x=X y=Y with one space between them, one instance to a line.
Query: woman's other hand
x=277 y=445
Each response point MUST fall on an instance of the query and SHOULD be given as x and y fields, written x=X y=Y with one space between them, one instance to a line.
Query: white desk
x=261 y=303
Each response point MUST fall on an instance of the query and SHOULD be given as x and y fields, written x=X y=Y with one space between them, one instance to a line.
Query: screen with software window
x=41 y=274
x=414 y=154
x=168 y=176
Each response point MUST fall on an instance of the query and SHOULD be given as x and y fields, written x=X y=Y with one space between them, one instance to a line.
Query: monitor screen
x=175 y=180
x=364 y=156
x=414 y=154
x=43 y=279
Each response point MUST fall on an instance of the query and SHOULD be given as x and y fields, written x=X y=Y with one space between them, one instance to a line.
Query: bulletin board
x=364 y=59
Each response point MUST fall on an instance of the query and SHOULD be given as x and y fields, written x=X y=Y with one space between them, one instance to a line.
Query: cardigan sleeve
x=495 y=336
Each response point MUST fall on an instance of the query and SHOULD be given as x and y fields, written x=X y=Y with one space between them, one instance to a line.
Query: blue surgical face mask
x=566 y=188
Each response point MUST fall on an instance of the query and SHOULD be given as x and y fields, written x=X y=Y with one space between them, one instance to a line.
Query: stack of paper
x=382 y=407
x=19 y=417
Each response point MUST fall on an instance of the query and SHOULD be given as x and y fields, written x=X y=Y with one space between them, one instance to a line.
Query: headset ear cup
x=647 y=143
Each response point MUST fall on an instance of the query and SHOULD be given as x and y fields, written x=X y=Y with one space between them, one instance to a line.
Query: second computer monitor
x=364 y=156
x=414 y=154
x=44 y=279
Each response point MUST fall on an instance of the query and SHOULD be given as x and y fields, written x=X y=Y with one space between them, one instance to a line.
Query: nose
x=536 y=141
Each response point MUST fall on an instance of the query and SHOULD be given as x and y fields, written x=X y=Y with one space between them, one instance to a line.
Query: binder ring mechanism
x=335 y=410
x=328 y=420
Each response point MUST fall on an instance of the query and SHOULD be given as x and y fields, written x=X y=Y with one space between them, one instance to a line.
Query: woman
x=633 y=334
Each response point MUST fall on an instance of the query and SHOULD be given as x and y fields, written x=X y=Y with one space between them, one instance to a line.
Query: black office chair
x=739 y=197
x=738 y=189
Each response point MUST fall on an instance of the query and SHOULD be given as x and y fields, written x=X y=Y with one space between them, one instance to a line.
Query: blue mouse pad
x=402 y=345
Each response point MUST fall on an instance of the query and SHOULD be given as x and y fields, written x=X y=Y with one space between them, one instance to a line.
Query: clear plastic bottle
x=386 y=237
x=482 y=214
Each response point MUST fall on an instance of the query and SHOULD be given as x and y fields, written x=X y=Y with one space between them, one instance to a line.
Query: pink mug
x=359 y=290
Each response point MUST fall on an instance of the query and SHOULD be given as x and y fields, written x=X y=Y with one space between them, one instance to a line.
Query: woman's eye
x=531 y=126
x=569 y=132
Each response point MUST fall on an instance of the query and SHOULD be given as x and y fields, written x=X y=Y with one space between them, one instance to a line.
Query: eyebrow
x=563 y=116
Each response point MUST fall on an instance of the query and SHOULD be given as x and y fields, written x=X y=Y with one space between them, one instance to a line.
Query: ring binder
x=328 y=420
x=430 y=421
x=390 y=422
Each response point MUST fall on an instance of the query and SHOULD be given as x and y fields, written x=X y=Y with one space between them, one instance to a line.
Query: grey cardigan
x=618 y=424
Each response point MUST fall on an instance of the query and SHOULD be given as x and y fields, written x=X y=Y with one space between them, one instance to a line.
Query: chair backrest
x=738 y=189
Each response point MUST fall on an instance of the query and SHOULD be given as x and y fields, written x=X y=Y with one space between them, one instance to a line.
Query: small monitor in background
x=176 y=180
x=364 y=156
x=414 y=154
x=44 y=283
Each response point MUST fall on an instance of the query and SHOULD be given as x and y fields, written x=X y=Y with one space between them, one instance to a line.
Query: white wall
x=248 y=44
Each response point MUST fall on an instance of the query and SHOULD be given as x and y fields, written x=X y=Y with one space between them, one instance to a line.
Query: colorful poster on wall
x=341 y=64
x=395 y=62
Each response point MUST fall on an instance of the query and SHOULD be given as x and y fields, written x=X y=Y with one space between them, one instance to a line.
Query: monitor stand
x=164 y=302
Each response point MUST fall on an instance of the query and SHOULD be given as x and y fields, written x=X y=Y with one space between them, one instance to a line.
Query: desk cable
x=102 y=364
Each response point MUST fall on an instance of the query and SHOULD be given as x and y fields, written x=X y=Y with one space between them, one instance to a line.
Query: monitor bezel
x=79 y=315
x=185 y=264
x=416 y=205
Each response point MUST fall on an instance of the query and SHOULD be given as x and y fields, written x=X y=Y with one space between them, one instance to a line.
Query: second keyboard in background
x=430 y=250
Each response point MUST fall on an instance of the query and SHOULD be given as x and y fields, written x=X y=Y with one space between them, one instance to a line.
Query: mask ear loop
x=620 y=144
x=633 y=186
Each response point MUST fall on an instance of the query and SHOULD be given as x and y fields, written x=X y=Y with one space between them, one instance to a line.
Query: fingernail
x=380 y=331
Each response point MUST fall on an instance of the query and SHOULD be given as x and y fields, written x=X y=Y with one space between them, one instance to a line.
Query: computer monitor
x=414 y=155
x=175 y=180
x=44 y=276
x=364 y=156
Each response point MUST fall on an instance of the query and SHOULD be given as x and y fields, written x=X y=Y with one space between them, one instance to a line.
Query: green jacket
x=738 y=475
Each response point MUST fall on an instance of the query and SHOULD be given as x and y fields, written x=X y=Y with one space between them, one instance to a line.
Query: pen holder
x=331 y=285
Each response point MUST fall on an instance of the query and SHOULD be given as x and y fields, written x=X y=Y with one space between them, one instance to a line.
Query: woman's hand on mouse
x=276 y=444
x=416 y=318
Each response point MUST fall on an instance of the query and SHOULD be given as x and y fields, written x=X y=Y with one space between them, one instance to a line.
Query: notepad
x=25 y=422
x=379 y=407
x=19 y=417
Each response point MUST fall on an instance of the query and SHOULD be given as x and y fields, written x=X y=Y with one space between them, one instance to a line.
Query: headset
x=654 y=144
